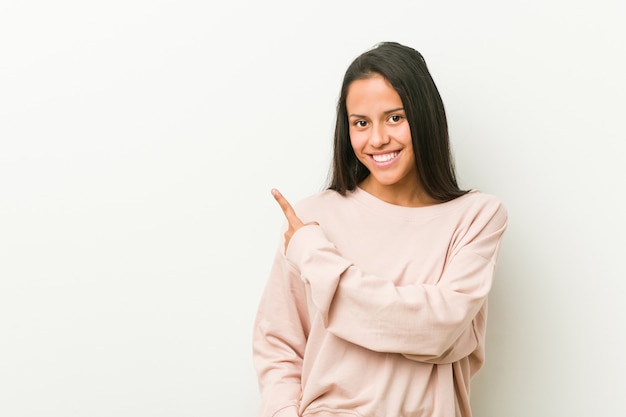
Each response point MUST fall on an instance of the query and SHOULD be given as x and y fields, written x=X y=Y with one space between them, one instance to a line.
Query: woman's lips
x=384 y=158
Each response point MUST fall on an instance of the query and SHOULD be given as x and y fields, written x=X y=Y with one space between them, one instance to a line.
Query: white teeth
x=385 y=157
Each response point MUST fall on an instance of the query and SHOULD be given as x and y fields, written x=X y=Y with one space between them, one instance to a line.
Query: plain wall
x=139 y=141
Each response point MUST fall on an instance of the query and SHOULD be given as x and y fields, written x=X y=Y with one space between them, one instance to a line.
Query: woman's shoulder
x=475 y=197
x=478 y=204
x=482 y=199
x=319 y=205
x=321 y=199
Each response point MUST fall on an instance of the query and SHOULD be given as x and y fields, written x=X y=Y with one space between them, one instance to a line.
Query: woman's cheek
x=357 y=140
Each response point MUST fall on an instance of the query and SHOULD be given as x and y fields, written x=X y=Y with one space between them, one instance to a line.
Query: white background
x=139 y=141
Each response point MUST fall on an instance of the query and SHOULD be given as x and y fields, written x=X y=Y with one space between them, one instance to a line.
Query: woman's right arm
x=280 y=331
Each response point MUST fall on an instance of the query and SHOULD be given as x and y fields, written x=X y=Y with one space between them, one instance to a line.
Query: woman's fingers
x=288 y=210
x=294 y=221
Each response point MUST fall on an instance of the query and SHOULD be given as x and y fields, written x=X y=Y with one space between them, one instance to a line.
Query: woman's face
x=381 y=137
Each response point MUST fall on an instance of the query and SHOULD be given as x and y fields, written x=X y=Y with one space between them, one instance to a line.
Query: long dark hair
x=405 y=69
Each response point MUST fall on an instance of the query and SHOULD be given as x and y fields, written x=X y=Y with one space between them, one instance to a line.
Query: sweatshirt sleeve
x=279 y=338
x=428 y=323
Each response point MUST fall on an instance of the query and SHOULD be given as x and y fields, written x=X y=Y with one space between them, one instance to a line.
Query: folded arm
x=429 y=323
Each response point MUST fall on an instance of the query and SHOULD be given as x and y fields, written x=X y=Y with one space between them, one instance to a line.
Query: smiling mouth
x=385 y=157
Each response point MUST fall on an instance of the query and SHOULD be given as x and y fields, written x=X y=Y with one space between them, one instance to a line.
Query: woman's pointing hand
x=290 y=214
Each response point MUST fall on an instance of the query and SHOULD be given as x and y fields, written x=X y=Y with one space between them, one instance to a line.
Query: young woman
x=376 y=302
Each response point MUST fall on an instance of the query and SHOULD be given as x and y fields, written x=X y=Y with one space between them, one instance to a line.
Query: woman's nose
x=379 y=137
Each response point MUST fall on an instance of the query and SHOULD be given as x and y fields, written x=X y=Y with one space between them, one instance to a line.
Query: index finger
x=289 y=212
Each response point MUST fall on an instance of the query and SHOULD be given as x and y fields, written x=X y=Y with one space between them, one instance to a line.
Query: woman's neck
x=407 y=195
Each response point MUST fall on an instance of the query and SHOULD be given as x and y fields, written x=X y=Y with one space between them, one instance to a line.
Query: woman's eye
x=360 y=123
x=395 y=118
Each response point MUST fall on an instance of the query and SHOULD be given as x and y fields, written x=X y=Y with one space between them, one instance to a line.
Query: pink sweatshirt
x=380 y=311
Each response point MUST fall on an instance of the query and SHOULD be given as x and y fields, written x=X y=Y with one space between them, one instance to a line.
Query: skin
x=378 y=129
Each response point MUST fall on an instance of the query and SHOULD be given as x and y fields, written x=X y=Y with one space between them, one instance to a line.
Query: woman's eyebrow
x=394 y=110
x=385 y=112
